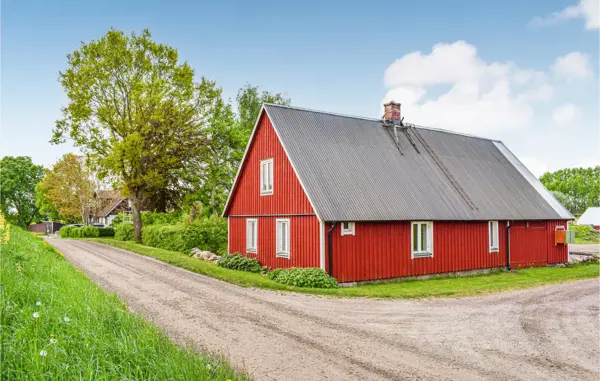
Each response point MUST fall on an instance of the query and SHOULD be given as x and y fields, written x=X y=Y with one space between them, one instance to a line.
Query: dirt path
x=549 y=333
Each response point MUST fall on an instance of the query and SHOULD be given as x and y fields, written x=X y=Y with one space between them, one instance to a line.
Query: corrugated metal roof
x=352 y=170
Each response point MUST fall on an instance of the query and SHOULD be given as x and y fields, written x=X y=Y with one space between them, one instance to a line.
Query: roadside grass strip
x=436 y=287
x=58 y=325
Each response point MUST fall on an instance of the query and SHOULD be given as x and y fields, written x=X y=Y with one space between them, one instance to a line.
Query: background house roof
x=590 y=217
x=352 y=170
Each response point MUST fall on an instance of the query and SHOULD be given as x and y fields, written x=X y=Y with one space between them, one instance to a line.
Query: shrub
x=88 y=232
x=65 y=231
x=106 y=232
x=585 y=233
x=207 y=234
x=240 y=262
x=124 y=232
x=312 y=277
x=153 y=218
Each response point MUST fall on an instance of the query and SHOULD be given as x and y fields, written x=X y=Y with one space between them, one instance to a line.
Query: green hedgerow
x=311 y=277
x=124 y=232
x=239 y=262
x=65 y=231
x=106 y=232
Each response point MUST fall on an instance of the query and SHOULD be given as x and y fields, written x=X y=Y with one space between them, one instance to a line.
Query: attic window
x=421 y=239
x=347 y=228
x=266 y=177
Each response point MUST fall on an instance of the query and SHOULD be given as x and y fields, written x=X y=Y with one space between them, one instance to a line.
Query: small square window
x=421 y=239
x=347 y=228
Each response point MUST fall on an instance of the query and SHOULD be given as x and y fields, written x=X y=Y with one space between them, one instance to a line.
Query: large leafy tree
x=135 y=111
x=18 y=177
x=250 y=100
x=579 y=188
x=69 y=188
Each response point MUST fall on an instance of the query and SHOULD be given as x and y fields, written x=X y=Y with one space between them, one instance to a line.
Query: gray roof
x=352 y=170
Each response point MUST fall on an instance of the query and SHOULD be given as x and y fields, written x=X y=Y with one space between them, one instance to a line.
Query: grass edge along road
x=57 y=324
x=436 y=287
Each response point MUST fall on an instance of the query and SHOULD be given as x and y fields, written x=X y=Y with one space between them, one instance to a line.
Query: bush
x=106 y=232
x=312 y=277
x=207 y=234
x=65 y=231
x=585 y=233
x=153 y=218
x=79 y=232
x=124 y=232
x=240 y=262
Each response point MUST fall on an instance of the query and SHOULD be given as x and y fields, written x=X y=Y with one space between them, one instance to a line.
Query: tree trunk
x=136 y=216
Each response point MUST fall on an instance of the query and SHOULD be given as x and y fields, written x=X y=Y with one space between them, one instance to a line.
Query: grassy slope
x=96 y=337
x=456 y=286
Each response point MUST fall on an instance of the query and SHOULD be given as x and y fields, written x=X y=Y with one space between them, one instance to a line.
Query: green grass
x=582 y=241
x=443 y=286
x=58 y=325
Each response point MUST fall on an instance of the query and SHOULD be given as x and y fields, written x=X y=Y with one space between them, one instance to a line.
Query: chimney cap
x=391 y=103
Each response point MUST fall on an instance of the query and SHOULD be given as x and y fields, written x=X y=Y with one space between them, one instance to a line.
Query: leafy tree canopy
x=135 y=111
x=579 y=188
x=18 y=176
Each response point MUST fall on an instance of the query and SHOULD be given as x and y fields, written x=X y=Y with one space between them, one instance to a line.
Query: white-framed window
x=421 y=239
x=251 y=235
x=266 y=177
x=282 y=238
x=347 y=228
x=493 y=236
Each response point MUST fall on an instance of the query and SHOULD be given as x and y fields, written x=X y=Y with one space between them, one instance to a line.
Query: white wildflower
x=38 y=304
x=208 y=366
x=53 y=341
x=36 y=315
x=66 y=319
x=43 y=353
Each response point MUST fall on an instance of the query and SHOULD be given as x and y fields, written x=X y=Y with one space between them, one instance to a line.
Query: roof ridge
x=379 y=120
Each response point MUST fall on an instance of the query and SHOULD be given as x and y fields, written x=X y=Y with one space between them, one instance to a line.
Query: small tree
x=18 y=177
x=135 y=111
x=69 y=187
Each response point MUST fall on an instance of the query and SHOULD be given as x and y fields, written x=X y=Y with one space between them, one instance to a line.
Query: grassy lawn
x=58 y=325
x=448 y=286
x=585 y=241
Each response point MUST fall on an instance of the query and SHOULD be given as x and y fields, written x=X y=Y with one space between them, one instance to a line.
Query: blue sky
x=522 y=72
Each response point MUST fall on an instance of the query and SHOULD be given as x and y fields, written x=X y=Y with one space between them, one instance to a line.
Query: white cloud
x=573 y=66
x=567 y=113
x=588 y=10
x=483 y=97
x=535 y=165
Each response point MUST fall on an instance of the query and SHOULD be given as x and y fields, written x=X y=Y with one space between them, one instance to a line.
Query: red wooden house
x=372 y=199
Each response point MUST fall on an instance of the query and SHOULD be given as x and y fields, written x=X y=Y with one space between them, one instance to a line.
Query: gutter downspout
x=330 y=247
x=508 y=245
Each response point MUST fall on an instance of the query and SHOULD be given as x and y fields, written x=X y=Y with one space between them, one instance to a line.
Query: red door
x=528 y=246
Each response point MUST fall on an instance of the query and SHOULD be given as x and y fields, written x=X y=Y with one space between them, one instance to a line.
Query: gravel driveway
x=548 y=333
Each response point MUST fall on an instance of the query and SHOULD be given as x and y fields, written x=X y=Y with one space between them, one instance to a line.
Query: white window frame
x=281 y=250
x=266 y=173
x=428 y=251
x=249 y=247
x=349 y=230
x=493 y=229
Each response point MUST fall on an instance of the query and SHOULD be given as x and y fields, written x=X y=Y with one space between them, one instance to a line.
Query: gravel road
x=547 y=333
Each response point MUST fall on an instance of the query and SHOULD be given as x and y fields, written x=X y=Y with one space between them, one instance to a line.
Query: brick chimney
x=391 y=112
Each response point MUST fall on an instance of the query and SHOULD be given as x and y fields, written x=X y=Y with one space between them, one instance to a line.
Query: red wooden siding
x=528 y=244
x=381 y=250
x=288 y=196
x=556 y=253
x=304 y=241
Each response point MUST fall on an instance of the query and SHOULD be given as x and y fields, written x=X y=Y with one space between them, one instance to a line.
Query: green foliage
x=136 y=112
x=46 y=208
x=106 y=232
x=585 y=233
x=79 y=232
x=205 y=234
x=58 y=325
x=153 y=218
x=310 y=277
x=580 y=187
x=65 y=231
x=19 y=177
x=124 y=232
x=241 y=263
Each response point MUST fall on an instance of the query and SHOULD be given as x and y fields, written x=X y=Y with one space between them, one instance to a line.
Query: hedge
x=79 y=232
x=106 y=232
x=207 y=234
x=124 y=232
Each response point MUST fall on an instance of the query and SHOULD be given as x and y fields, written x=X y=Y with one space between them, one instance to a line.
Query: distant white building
x=590 y=217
